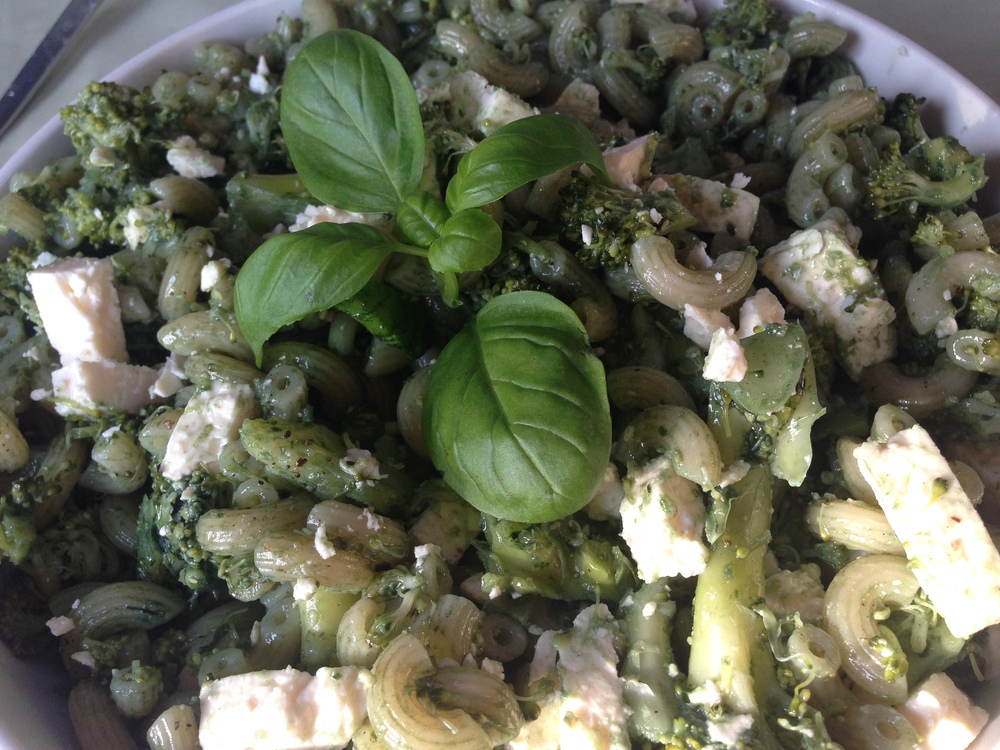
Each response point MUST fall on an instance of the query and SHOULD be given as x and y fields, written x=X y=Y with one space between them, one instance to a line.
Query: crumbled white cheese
x=258 y=82
x=322 y=543
x=586 y=711
x=304 y=588
x=84 y=387
x=762 y=309
x=170 y=378
x=213 y=272
x=211 y=419
x=819 y=271
x=85 y=658
x=483 y=106
x=281 y=709
x=78 y=304
x=663 y=524
x=949 y=548
x=60 y=625
x=701 y=324
x=628 y=165
x=312 y=215
x=586 y=234
x=943 y=715
x=726 y=362
x=190 y=161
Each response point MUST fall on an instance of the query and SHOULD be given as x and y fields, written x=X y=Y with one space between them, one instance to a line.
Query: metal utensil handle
x=34 y=70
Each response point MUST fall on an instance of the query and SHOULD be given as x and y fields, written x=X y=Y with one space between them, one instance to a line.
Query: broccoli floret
x=35 y=498
x=939 y=173
x=111 y=115
x=167 y=546
x=601 y=222
x=558 y=560
x=902 y=115
x=744 y=23
x=511 y=272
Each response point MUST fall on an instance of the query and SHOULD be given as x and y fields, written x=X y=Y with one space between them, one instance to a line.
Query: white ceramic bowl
x=33 y=698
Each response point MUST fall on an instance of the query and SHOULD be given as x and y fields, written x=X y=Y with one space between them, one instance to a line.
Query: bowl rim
x=959 y=108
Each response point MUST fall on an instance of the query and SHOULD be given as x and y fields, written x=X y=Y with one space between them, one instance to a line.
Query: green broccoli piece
x=939 y=173
x=168 y=549
x=109 y=115
x=903 y=116
x=601 y=222
x=744 y=23
x=563 y=560
x=511 y=272
x=35 y=498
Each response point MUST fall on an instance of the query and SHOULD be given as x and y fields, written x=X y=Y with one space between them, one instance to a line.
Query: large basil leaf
x=518 y=153
x=351 y=121
x=516 y=411
x=469 y=240
x=293 y=275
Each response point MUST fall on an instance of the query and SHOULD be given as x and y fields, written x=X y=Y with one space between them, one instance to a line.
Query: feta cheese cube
x=587 y=711
x=282 y=709
x=726 y=362
x=943 y=715
x=102 y=388
x=701 y=324
x=663 y=524
x=819 y=271
x=483 y=106
x=79 y=308
x=949 y=549
x=190 y=161
x=211 y=419
x=629 y=164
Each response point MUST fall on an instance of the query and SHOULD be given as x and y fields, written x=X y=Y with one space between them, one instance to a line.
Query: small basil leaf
x=351 y=121
x=420 y=218
x=469 y=240
x=293 y=275
x=518 y=153
x=516 y=411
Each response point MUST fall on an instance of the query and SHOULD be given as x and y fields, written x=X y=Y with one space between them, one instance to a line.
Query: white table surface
x=961 y=32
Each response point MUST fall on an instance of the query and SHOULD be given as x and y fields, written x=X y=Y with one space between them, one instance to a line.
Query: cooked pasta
x=503 y=374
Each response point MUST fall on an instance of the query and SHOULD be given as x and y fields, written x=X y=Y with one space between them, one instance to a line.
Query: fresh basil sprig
x=516 y=411
x=352 y=124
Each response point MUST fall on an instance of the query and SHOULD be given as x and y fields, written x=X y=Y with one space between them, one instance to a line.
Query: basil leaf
x=516 y=411
x=469 y=240
x=420 y=218
x=293 y=275
x=518 y=153
x=351 y=121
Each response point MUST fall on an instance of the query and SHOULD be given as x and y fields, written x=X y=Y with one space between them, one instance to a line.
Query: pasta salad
x=555 y=375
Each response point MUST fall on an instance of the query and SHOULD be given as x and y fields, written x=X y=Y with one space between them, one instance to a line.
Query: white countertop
x=961 y=32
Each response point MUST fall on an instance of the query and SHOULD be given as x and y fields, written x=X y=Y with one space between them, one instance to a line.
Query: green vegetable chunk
x=517 y=411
